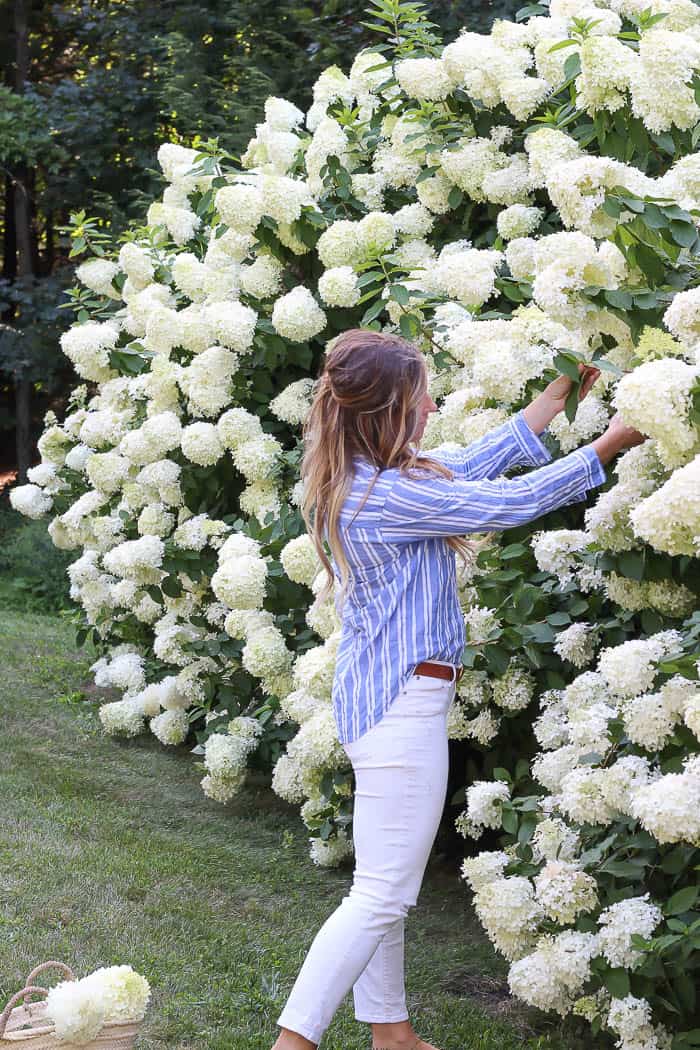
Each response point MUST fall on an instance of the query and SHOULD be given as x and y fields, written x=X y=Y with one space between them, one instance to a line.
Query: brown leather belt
x=437 y=670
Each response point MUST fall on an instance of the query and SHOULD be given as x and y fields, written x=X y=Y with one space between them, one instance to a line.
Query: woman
x=403 y=634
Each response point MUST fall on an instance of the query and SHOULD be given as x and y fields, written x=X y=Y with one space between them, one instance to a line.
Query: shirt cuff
x=595 y=471
x=534 y=452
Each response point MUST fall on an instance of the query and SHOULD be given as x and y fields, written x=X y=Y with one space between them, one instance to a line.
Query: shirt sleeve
x=417 y=508
x=512 y=444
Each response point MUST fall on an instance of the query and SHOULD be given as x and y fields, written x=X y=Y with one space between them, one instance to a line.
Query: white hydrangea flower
x=30 y=500
x=88 y=345
x=233 y=324
x=137 y=264
x=669 y=519
x=77 y=1013
x=297 y=316
x=424 y=78
x=553 y=975
x=669 y=807
x=293 y=404
x=480 y=622
x=258 y=459
x=338 y=286
x=300 y=560
x=201 y=444
x=479 y=871
x=564 y=891
x=619 y=921
x=509 y=912
x=262 y=279
x=98 y=274
x=518 y=220
x=484 y=798
x=513 y=690
x=630 y=668
x=265 y=653
x=240 y=581
x=655 y=398
x=240 y=206
x=170 y=727
x=554 y=550
x=553 y=839
x=121 y=718
x=577 y=644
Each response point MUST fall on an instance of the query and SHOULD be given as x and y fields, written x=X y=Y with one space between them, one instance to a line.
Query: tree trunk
x=9 y=258
x=25 y=251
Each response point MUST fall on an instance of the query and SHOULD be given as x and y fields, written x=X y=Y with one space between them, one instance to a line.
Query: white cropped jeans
x=401 y=768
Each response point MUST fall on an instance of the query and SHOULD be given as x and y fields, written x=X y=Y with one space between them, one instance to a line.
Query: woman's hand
x=617 y=438
x=540 y=412
x=560 y=388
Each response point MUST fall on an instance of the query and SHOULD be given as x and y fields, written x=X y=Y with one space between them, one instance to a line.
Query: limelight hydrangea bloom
x=669 y=807
x=655 y=398
x=484 y=798
x=619 y=921
x=564 y=891
x=424 y=78
x=300 y=560
x=338 y=286
x=577 y=644
x=297 y=316
x=514 y=690
x=630 y=668
x=552 y=975
x=240 y=581
x=509 y=912
x=669 y=519
x=30 y=500
x=553 y=839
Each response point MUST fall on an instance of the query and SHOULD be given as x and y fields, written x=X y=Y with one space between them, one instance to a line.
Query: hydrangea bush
x=514 y=202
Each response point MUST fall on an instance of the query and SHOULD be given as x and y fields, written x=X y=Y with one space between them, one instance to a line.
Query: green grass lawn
x=111 y=853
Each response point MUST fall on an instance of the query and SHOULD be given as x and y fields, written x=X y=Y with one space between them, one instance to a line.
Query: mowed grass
x=110 y=853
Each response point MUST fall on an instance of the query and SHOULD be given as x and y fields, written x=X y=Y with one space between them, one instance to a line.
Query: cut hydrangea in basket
x=101 y=1010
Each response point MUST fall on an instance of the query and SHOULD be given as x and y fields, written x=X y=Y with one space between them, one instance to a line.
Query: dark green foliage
x=32 y=570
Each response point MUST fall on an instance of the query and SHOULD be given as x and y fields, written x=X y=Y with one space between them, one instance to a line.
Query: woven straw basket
x=40 y=1035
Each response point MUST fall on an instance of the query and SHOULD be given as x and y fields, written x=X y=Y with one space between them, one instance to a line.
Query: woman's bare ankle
x=394 y=1035
x=289 y=1040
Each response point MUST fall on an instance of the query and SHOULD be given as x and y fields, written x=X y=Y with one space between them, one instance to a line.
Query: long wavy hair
x=366 y=402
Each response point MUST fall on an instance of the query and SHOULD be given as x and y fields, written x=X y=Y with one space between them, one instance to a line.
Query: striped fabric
x=402 y=606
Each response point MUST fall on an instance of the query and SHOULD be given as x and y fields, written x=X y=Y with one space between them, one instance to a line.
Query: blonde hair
x=366 y=402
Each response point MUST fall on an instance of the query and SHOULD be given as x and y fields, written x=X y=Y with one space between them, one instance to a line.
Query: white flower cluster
x=78 y=1010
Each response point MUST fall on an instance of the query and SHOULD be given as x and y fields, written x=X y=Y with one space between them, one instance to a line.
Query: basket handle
x=43 y=966
x=4 y=1016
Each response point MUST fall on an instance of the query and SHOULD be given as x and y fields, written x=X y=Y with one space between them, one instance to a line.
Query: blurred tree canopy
x=90 y=89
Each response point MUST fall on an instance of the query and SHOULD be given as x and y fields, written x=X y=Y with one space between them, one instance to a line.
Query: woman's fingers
x=589 y=375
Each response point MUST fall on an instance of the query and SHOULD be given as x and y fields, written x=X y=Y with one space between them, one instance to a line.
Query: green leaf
x=631 y=564
x=509 y=820
x=571 y=403
x=561 y=44
x=455 y=198
x=399 y=294
x=681 y=901
x=171 y=586
x=683 y=233
x=617 y=981
x=374 y=311
x=568 y=366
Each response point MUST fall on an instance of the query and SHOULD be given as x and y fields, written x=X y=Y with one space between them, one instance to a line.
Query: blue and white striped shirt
x=402 y=604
